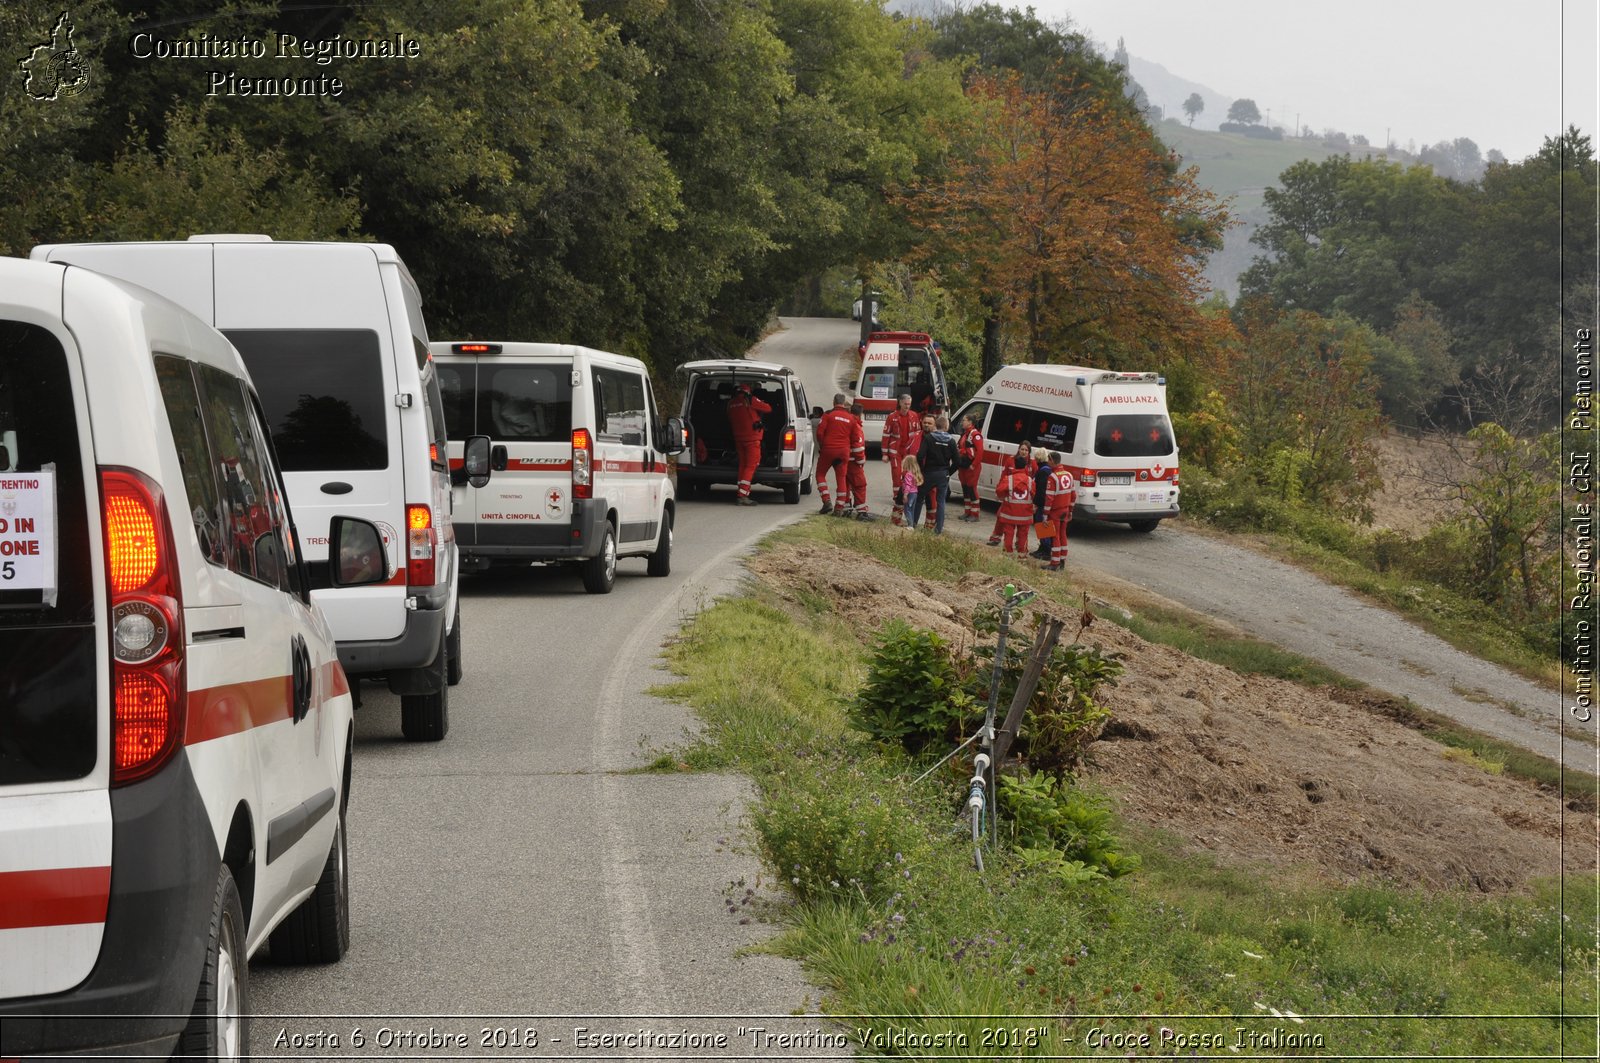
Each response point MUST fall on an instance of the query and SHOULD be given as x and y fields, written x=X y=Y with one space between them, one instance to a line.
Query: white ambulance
x=895 y=364
x=335 y=341
x=579 y=452
x=175 y=731
x=1111 y=430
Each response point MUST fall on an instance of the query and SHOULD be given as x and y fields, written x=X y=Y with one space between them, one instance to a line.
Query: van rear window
x=47 y=649
x=525 y=403
x=1133 y=435
x=323 y=394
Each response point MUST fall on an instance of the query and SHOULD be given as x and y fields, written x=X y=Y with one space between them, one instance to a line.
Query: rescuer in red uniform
x=898 y=429
x=835 y=434
x=1060 y=494
x=971 y=449
x=1022 y=461
x=858 y=464
x=744 y=418
x=1015 y=491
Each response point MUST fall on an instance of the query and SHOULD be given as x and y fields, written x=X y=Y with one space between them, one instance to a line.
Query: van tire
x=453 y=669
x=1143 y=527
x=224 y=983
x=660 y=563
x=318 y=931
x=426 y=717
x=791 y=493
x=805 y=488
x=600 y=571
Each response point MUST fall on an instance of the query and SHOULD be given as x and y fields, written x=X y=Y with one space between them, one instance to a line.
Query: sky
x=1425 y=70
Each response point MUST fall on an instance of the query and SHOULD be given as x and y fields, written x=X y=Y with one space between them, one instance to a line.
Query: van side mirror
x=475 y=460
x=356 y=555
x=670 y=436
x=816 y=413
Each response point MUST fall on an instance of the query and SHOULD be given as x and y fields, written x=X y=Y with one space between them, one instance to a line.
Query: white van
x=334 y=338
x=788 y=440
x=895 y=364
x=176 y=727
x=1111 y=429
x=579 y=449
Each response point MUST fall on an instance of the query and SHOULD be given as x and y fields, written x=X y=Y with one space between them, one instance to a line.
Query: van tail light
x=147 y=677
x=788 y=439
x=1087 y=479
x=422 y=541
x=582 y=464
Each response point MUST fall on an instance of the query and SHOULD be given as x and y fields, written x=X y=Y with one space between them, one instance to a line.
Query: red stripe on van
x=235 y=707
x=58 y=896
x=334 y=679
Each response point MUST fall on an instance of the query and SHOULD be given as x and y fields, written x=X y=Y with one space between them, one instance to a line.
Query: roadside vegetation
x=1080 y=926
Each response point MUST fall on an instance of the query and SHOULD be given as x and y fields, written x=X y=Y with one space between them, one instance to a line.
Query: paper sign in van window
x=28 y=533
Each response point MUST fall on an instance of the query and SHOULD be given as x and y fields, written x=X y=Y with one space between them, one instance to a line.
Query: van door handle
x=300 y=662
x=498 y=458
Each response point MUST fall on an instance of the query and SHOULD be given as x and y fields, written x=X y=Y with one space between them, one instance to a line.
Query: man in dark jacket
x=1041 y=490
x=937 y=456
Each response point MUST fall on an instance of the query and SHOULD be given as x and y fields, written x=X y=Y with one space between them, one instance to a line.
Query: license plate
x=875 y=416
x=1116 y=481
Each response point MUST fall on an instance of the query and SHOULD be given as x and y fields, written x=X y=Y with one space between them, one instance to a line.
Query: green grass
x=892 y=920
x=1237 y=165
x=1243 y=654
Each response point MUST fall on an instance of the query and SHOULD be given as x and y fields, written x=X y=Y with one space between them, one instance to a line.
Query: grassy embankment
x=892 y=920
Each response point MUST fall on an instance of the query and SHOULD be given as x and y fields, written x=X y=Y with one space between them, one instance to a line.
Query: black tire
x=453 y=668
x=600 y=571
x=660 y=563
x=426 y=717
x=1143 y=527
x=219 y=1025
x=805 y=488
x=688 y=488
x=318 y=931
x=791 y=494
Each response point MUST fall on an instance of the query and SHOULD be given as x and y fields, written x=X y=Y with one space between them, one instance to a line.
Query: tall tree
x=1193 y=106
x=1244 y=111
x=1061 y=217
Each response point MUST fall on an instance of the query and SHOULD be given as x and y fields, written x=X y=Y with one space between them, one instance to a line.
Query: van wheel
x=453 y=671
x=791 y=494
x=660 y=563
x=426 y=717
x=1143 y=527
x=600 y=571
x=219 y=1024
x=805 y=488
x=318 y=931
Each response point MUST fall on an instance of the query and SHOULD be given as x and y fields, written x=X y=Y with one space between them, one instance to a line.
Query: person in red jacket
x=858 y=465
x=1015 y=491
x=971 y=448
x=1023 y=460
x=898 y=429
x=744 y=418
x=834 y=438
x=1060 y=495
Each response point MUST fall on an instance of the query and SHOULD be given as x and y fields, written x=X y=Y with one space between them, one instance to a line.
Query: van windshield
x=47 y=613
x=323 y=394
x=913 y=376
x=1133 y=435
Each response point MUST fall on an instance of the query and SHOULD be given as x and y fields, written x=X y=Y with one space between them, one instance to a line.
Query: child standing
x=910 y=487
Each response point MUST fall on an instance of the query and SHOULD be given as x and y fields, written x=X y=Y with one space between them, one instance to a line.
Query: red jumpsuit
x=1007 y=464
x=1015 y=491
x=858 y=466
x=834 y=436
x=897 y=443
x=744 y=418
x=971 y=445
x=1060 y=494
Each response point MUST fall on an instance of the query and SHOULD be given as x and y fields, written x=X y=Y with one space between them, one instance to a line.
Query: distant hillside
x=1239 y=168
x=1169 y=91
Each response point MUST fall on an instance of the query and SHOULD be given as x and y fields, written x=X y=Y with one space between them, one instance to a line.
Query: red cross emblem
x=1116 y=435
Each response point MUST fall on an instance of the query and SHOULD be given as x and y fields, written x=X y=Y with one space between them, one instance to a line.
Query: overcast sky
x=1427 y=70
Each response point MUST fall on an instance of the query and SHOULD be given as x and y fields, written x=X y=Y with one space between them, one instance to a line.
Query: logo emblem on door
x=552 y=502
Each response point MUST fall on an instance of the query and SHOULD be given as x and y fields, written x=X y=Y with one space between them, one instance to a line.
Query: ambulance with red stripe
x=335 y=341
x=175 y=730
x=895 y=364
x=579 y=452
x=1111 y=430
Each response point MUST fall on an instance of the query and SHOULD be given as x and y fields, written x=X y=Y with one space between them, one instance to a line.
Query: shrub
x=914 y=693
x=1056 y=826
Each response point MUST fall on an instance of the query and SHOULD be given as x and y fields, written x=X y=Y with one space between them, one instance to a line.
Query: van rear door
x=524 y=406
x=55 y=809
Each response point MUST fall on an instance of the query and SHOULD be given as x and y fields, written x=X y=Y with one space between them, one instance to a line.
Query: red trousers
x=1058 y=546
x=749 y=458
x=858 y=485
x=836 y=462
x=1014 y=532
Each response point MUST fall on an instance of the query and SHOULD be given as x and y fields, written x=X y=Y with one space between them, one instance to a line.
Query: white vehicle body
x=895 y=364
x=1111 y=429
x=788 y=442
x=176 y=731
x=334 y=338
x=579 y=453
